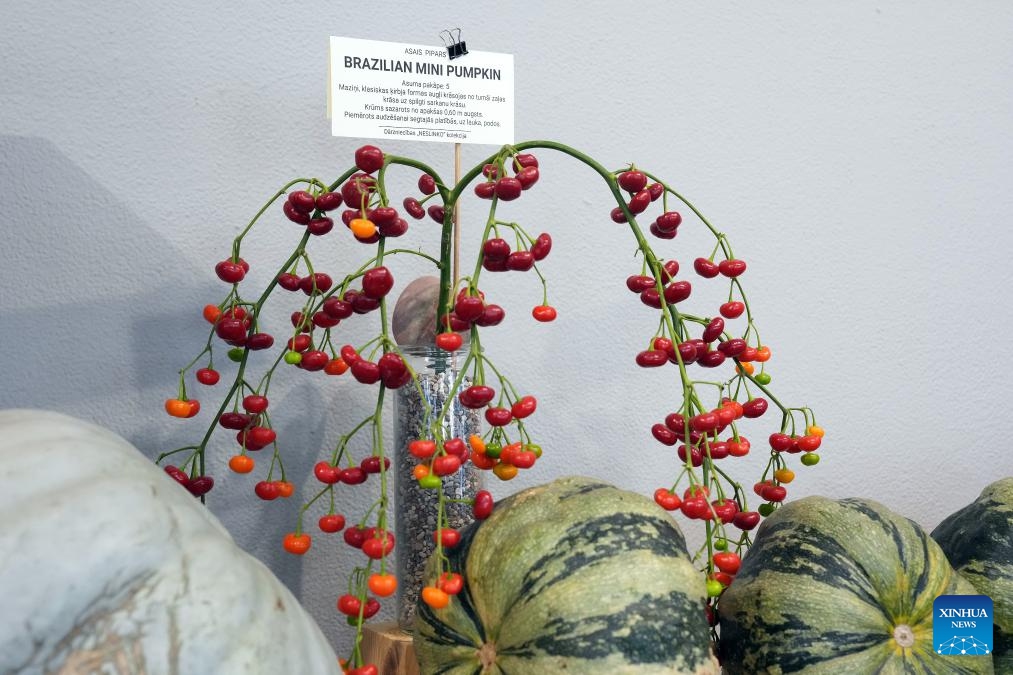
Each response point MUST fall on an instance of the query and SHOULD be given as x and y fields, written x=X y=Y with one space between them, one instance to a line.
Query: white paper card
x=415 y=92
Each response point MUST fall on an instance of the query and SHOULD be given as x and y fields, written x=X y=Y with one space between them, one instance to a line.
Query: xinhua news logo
x=962 y=625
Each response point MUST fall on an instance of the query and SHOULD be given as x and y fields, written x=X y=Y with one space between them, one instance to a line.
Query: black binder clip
x=456 y=47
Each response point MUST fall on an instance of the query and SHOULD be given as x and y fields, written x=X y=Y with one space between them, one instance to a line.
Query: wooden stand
x=390 y=648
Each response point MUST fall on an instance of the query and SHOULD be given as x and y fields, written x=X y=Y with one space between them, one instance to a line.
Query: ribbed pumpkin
x=978 y=540
x=109 y=566
x=577 y=577
x=835 y=587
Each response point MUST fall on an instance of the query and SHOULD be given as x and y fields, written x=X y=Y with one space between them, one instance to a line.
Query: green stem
x=378 y=436
x=239 y=238
x=451 y=200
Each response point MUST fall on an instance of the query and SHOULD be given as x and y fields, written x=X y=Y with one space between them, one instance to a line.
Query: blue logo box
x=962 y=625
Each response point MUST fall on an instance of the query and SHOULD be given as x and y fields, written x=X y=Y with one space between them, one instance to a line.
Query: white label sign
x=415 y=92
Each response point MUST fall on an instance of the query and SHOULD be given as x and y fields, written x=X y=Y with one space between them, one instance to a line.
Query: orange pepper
x=362 y=228
x=178 y=408
x=211 y=313
x=241 y=463
x=784 y=475
x=504 y=471
x=477 y=444
x=435 y=597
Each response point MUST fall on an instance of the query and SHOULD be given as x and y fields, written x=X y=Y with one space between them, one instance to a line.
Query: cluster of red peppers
x=704 y=427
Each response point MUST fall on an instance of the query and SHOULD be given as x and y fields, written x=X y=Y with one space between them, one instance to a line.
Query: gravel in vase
x=415 y=508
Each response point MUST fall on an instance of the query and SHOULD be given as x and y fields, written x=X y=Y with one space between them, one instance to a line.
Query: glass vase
x=416 y=508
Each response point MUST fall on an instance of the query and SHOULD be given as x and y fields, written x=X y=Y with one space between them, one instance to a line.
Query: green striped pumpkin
x=978 y=540
x=571 y=577
x=834 y=587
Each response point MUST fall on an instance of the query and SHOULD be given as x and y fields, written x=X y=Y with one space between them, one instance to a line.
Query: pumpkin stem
x=487 y=655
x=903 y=635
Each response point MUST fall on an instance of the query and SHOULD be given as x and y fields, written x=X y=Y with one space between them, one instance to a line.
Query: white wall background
x=858 y=154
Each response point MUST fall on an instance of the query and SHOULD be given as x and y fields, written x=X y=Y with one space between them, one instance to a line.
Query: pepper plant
x=715 y=354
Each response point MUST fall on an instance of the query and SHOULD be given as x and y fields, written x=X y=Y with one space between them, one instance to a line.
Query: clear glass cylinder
x=416 y=508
